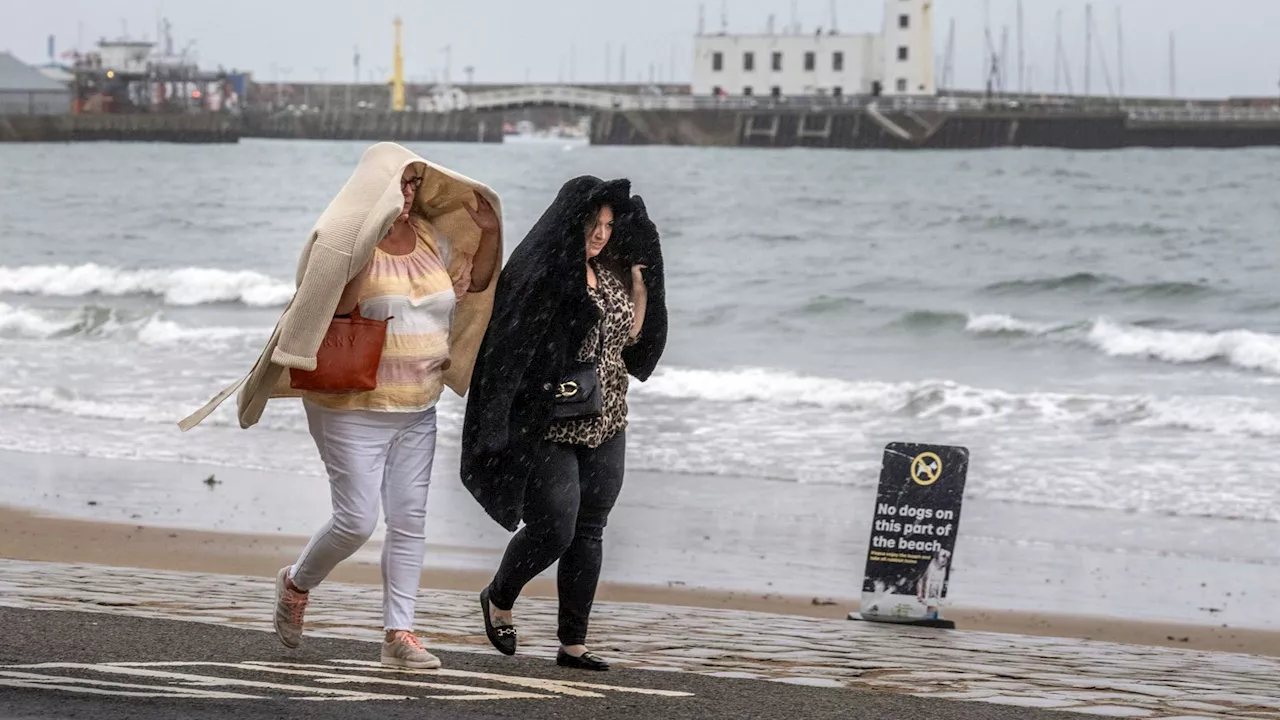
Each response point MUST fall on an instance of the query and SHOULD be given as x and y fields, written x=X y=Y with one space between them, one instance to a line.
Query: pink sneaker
x=290 y=607
x=406 y=650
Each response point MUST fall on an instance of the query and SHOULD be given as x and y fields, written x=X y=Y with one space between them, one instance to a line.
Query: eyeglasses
x=413 y=182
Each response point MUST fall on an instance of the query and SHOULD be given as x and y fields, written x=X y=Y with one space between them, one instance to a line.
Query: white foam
x=69 y=403
x=158 y=331
x=768 y=386
x=181 y=286
x=1244 y=349
x=995 y=323
x=23 y=323
x=101 y=323
x=782 y=393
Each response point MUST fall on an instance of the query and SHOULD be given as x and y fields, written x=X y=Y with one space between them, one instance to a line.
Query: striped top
x=417 y=292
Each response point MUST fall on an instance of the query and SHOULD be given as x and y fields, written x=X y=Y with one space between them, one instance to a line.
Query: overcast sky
x=1224 y=47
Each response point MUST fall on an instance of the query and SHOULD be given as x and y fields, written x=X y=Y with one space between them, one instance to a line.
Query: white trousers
x=372 y=458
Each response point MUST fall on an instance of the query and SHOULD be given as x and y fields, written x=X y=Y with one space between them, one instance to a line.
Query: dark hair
x=613 y=257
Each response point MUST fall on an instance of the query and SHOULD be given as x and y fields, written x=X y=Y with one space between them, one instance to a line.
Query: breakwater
x=196 y=128
x=375 y=126
x=867 y=127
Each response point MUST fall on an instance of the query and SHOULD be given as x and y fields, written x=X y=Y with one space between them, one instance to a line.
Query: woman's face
x=410 y=183
x=598 y=233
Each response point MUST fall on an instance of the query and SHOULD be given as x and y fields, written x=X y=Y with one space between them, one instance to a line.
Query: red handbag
x=348 y=358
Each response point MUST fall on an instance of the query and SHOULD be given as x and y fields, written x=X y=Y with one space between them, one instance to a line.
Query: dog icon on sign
x=926 y=468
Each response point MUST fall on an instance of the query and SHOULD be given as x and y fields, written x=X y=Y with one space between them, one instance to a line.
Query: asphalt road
x=90 y=665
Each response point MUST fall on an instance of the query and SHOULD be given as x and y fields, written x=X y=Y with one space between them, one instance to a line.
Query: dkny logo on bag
x=340 y=341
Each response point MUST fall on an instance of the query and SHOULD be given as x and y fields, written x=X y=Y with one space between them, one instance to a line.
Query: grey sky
x=1226 y=47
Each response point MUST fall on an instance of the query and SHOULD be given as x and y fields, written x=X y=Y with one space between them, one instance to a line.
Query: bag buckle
x=567 y=389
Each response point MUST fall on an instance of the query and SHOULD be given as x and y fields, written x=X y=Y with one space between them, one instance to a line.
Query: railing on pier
x=1206 y=114
x=590 y=99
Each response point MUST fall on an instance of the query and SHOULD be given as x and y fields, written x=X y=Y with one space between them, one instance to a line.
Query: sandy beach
x=25 y=535
x=729 y=535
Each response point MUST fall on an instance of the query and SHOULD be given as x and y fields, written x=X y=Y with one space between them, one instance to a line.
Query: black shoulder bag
x=579 y=397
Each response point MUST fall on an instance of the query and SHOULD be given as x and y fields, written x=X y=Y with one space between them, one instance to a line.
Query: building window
x=837 y=91
x=904 y=21
x=777 y=62
x=749 y=61
x=776 y=91
x=902 y=84
x=837 y=61
x=903 y=53
x=747 y=91
x=810 y=61
x=717 y=62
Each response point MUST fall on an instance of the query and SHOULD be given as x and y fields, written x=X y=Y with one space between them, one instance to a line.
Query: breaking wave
x=92 y=322
x=1241 y=349
x=1009 y=325
x=946 y=400
x=1244 y=349
x=716 y=396
x=177 y=286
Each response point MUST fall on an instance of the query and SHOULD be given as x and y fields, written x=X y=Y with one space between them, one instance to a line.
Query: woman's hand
x=483 y=215
x=637 y=280
x=488 y=254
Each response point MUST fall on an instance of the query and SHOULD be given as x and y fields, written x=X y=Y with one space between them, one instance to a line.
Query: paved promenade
x=1091 y=678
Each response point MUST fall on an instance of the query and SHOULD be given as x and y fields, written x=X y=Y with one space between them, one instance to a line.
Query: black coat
x=541 y=316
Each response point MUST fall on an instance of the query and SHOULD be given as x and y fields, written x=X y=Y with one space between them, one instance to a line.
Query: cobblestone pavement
x=1093 y=678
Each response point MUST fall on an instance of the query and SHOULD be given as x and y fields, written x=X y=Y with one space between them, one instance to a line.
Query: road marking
x=10 y=678
x=331 y=677
x=302 y=691
x=183 y=680
x=566 y=687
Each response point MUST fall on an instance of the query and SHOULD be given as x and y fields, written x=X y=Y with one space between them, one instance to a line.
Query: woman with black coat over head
x=580 y=306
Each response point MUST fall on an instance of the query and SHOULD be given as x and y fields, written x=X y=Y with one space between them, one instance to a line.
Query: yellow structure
x=397 y=74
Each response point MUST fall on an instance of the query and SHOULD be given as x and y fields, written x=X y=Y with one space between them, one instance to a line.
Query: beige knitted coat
x=339 y=247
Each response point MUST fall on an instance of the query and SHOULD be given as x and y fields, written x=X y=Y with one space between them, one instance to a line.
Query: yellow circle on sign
x=931 y=470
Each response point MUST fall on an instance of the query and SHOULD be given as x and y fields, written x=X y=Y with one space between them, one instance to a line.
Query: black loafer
x=588 y=661
x=503 y=637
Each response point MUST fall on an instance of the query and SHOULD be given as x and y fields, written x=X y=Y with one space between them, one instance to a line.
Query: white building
x=897 y=61
x=908 y=45
x=126 y=57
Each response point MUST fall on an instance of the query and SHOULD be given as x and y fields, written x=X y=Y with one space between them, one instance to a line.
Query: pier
x=462 y=126
x=132 y=127
x=944 y=123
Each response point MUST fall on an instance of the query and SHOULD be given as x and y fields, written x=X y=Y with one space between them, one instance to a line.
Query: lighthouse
x=908 y=47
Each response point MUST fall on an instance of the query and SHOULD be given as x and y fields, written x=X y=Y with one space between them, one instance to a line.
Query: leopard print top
x=617 y=313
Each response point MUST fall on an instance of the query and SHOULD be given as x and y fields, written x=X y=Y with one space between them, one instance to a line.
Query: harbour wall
x=195 y=128
x=868 y=128
x=378 y=126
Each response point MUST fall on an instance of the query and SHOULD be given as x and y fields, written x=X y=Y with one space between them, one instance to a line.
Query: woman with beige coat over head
x=418 y=246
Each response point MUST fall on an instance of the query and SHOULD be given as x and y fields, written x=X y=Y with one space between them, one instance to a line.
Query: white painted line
x=324 y=676
x=103 y=687
x=564 y=687
x=332 y=675
x=211 y=681
x=86 y=690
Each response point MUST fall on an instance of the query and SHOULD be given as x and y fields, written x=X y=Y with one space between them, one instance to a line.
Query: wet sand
x=707 y=536
x=29 y=536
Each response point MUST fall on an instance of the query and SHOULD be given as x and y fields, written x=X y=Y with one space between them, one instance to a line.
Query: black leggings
x=566 y=507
